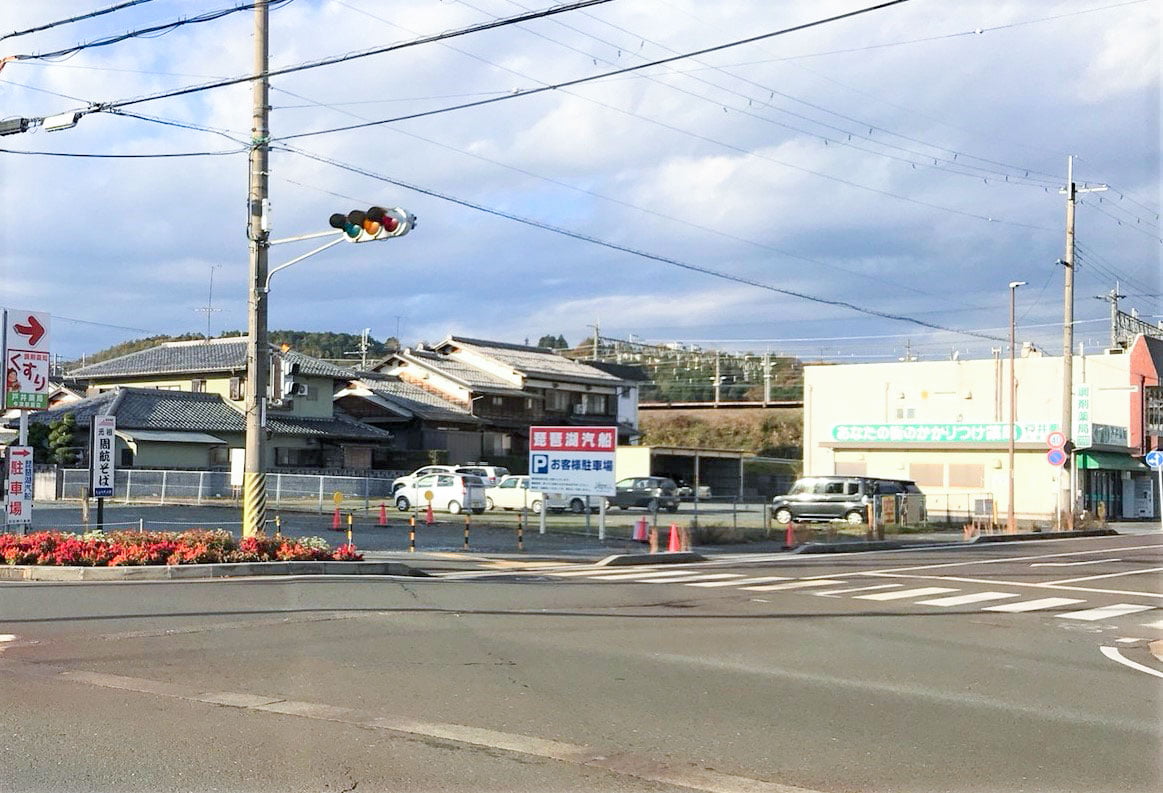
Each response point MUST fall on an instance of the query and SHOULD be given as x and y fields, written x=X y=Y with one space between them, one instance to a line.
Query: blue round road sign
x=1056 y=457
x=1155 y=458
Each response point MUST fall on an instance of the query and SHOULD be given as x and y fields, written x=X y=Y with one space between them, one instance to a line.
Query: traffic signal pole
x=254 y=495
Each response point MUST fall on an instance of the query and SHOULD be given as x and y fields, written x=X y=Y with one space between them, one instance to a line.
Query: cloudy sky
x=905 y=161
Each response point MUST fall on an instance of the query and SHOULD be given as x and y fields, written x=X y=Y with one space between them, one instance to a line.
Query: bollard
x=278 y=527
x=653 y=539
x=466 y=523
x=383 y=521
x=335 y=520
x=790 y=538
x=412 y=534
x=520 y=534
x=350 y=520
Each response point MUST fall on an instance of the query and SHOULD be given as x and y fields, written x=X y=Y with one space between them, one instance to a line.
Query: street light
x=1011 y=521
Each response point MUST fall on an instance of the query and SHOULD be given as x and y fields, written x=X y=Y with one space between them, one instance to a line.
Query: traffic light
x=377 y=223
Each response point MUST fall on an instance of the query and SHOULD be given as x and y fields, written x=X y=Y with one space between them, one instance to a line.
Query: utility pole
x=597 y=334
x=254 y=489
x=1113 y=297
x=209 y=309
x=1011 y=519
x=1071 y=192
x=364 y=346
x=718 y=379
x=766 y=378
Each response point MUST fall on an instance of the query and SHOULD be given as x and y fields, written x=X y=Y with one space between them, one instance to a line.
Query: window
x=236 y=389
x=595 y=404
x=558 y=401
x=167 y=388
x=927 y=474
x=299 y=458
x=508 y=483
x=906 y=413
x=426 y=481
x=126 y=458
x=1154 y=409
x=966 y=475
x=498 y=401
x=198 y=386
x=834 y=488
x=444 y=480
x=219 y=455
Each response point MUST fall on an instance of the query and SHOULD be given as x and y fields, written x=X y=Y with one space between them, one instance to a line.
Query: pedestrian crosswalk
x=854 y=588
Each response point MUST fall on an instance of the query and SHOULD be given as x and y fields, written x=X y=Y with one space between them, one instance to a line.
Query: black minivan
x=834 y=497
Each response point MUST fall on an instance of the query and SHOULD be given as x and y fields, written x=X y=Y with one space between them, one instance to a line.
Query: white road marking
x=763 y=580
x=603 y=571
x=906 y=593
x=647 y=576
x=687 y=579
x=1157 y=625
x=964 y=600
x=671 y=773
x=1014 y=559
x=1026 y=584
x=1126 y=641
x=793 y=585
x=7 y=637
x=1034 y=605
x=1072 y=564
x=837 y=592
x=1105 y=612
x=1114 y=654
x=1106 y=575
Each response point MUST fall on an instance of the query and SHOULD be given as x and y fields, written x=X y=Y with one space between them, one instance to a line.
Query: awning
x=1109 y=461
x=163 y=436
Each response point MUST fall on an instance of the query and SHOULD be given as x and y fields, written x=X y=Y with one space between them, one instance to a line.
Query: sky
x=857 y=182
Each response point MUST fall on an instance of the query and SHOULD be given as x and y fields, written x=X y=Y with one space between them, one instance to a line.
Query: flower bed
x=121 y=548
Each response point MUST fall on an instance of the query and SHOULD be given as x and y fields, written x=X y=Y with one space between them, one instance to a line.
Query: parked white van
x=451 y=493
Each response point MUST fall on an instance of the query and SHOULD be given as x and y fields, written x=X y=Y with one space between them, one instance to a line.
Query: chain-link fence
x=135 y=485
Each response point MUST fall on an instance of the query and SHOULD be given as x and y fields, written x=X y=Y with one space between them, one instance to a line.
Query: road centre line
x=1002 y=560
x=1028 y=585
x=641 y=766
x=1106 y=575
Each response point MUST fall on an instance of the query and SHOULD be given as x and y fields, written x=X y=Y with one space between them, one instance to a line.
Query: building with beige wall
x=945 y=425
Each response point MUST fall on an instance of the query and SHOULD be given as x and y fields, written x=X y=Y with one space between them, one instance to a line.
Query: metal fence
x=135 y=485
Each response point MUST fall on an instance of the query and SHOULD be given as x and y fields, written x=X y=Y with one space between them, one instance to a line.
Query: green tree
x=61 y=441
x=38 y=440
x=553 y=342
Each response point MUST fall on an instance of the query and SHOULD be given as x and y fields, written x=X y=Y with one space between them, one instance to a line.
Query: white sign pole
x=1160 y=470
x=541 y=517
x=601 y=517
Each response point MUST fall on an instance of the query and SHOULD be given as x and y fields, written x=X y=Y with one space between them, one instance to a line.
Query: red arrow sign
x=33 y=330
x=20 y=452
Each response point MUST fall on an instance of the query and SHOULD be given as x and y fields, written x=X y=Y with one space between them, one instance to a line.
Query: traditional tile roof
x=531 y=361
x=415 y=400
x=471 y=377
x=152 y=409
x=196 y=357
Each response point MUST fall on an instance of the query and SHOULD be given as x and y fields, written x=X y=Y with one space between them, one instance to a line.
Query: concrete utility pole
x=597 y=333
x=1113 y=297
x=766 y=378
x=1071 y=192
x=254 y=489
x=1011 y=519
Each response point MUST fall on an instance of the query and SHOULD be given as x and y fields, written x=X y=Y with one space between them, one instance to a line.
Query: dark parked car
x=651 y=492
x=833 y=497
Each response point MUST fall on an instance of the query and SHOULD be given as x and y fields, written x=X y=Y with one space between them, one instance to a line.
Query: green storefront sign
x=1024 y=432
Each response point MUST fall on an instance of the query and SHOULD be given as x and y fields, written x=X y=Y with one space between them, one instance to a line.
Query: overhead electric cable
x=78 y=18
x=627 y=249
x=162 y=28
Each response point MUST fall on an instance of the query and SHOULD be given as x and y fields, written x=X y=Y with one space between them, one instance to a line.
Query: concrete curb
x=628 y=559
x=195 y=571
x=1042 y=535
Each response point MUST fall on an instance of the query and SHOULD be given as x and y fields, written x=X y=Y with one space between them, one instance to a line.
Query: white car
x=513 y=493
x=410 y=479
x=451 y=492
x=491 y=474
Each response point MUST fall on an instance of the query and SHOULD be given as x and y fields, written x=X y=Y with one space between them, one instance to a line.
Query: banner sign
x=18 y=493
x=102 y=465
x=1024 y=432
x=572 y=460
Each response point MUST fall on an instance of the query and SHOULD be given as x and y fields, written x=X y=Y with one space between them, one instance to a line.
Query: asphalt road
x=942 y=670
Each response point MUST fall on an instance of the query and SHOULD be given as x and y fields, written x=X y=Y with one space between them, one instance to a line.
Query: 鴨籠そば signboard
x=572 y=460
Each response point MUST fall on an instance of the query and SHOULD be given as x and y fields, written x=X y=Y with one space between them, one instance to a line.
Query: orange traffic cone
x=639 y=531
x=383 y=521
x=428 y=518
x=673 y=543
x=335 y=520
x=790 y=540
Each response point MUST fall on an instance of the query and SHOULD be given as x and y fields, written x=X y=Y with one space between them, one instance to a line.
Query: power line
x=629 y=250
x=162 y=29
x=157 y=156
x=59 y=22
x=603 y=75
x=192 y=89
x=1126 y=224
